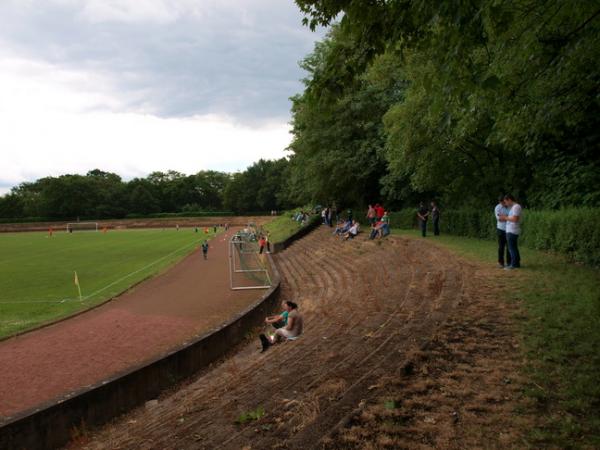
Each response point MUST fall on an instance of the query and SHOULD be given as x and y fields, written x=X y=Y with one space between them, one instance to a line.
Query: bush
x=574 y=232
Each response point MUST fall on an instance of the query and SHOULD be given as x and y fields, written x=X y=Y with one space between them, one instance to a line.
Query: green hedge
x=574 y=232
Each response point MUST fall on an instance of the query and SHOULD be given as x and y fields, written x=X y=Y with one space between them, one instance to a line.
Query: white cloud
x=54 y=121
x=142 y=85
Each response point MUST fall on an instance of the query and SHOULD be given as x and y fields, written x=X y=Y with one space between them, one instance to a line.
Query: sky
x=135 y=86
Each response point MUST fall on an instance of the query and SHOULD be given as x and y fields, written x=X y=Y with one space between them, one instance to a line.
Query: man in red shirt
x=261 y=244
x=380 y=211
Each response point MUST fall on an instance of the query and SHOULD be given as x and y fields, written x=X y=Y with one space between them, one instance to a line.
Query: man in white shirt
x=513 y=230
x=352 y=231
x=501 y=210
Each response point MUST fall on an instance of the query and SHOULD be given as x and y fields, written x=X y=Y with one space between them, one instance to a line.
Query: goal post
x=247 y=268
x=82 y=226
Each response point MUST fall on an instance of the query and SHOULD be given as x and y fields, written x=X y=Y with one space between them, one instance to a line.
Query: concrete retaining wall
x=52 y=425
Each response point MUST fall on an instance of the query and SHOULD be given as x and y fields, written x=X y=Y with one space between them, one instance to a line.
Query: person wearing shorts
x=292 y=330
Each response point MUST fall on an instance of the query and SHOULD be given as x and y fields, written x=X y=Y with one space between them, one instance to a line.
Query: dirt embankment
x=405 y=346
x=141 y=223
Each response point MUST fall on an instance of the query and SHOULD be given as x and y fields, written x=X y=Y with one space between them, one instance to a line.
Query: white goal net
x=247 y=268
x=82 y=226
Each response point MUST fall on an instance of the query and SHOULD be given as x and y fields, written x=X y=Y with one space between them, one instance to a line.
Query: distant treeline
x=101 y=194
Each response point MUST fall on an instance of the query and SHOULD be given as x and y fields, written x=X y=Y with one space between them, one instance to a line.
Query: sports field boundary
x=55 y=423
x=50 y=322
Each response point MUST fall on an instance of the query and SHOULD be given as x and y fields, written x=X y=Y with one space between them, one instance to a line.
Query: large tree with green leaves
x=338 y=145
x=500 y=95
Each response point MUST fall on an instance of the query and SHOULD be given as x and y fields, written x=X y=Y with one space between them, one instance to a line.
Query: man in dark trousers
x=500 y=211
x=423 y=214
x=205 y=249
x=435 y=216
x=513 y=230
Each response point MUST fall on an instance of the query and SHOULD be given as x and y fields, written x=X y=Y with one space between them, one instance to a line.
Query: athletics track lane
x=159 y=314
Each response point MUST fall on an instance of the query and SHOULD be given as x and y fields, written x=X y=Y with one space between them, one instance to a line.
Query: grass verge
x=561 y=336
x=283 y=226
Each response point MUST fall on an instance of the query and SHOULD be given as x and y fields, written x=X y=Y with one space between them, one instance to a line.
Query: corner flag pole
x=78 y=287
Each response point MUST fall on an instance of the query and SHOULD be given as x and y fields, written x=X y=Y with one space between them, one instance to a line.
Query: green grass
x=561 y=335
x=282 y=227
x=37 y=272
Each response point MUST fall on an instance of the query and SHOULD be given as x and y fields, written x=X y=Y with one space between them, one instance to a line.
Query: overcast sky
x=133 y=86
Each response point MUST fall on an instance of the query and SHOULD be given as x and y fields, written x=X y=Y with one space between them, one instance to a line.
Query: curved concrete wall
x=51 y=425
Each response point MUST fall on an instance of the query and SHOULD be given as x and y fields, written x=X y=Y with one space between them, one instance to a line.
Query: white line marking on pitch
x=7 y=302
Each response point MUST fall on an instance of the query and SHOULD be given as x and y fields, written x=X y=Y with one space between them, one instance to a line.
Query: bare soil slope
x=405 y=346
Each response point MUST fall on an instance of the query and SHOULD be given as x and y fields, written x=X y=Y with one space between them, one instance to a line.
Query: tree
x=499 y=96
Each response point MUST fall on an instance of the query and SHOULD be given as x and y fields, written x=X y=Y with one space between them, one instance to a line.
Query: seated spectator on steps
x=279 y=320
x=381 y=228
x=342 y=227
x=375 y=229
x=292 y=330
x=352 y=231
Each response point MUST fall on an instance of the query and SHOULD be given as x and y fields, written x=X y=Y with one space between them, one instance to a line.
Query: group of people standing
x=508 y=228
x=423 y=215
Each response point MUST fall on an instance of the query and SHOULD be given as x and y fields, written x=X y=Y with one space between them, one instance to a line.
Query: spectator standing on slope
x=435 y=217
x=379 y=211
x=501 y=210
x=423 y=214
x=513 y=230
x=371 y=215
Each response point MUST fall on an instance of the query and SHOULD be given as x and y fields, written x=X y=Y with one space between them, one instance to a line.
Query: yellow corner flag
x=78 y=287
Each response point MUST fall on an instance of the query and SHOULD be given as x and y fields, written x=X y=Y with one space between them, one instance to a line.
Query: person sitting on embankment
x=279 y=320
x=352 y=231
x=292 y=330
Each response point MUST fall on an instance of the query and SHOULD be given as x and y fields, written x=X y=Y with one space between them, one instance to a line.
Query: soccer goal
x=247 y=268
x=82 y=226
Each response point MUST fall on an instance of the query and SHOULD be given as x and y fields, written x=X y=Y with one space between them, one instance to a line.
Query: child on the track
x=292 y=330
x=205 y=249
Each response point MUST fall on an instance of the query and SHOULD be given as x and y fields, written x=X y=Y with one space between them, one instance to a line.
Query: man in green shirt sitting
x=291 y=331
x=279 y=320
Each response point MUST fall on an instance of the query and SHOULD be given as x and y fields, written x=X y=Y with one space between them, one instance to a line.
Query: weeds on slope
x=561 y=335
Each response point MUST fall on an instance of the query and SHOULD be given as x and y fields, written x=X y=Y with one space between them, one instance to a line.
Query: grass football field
x=37 y=272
